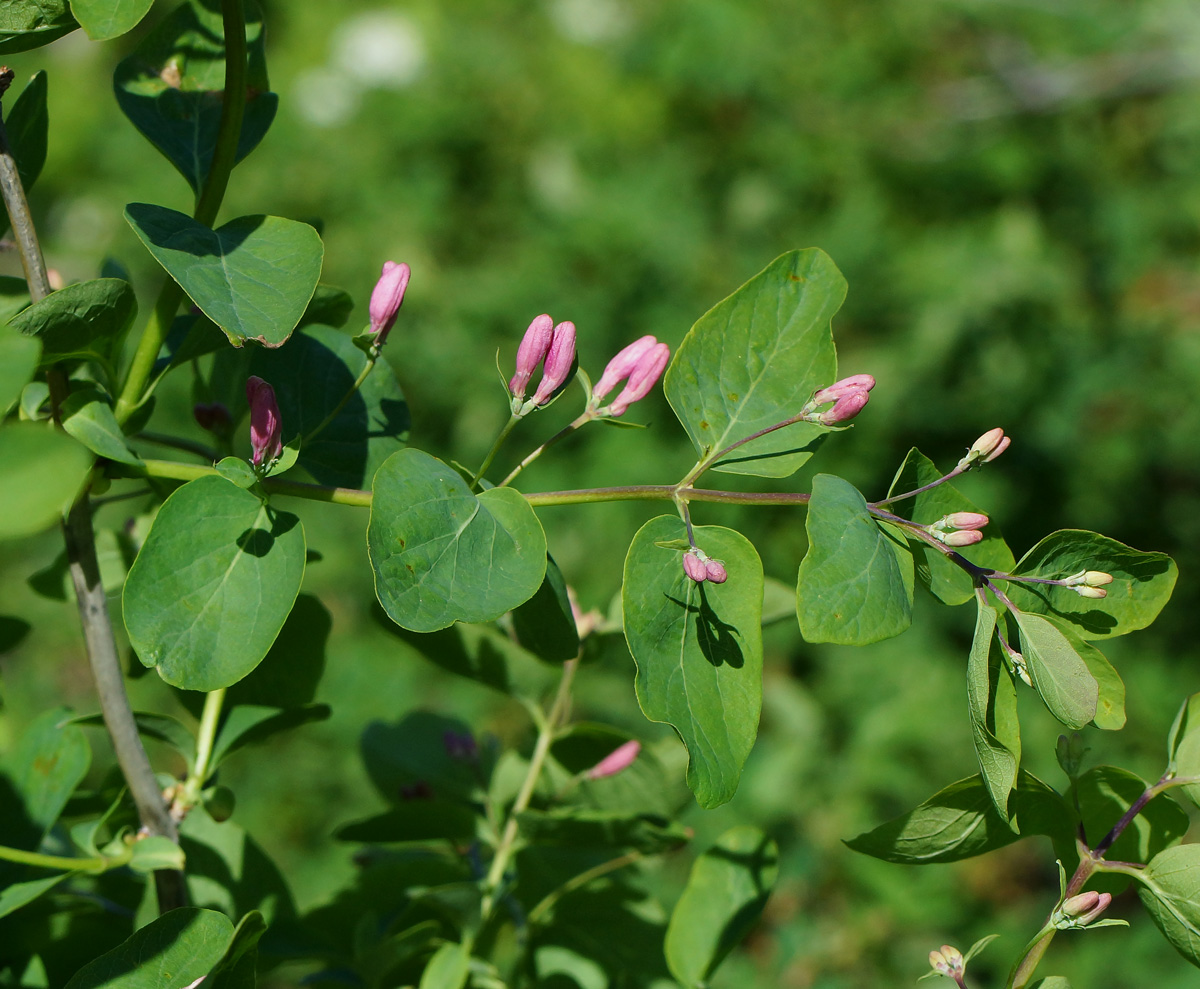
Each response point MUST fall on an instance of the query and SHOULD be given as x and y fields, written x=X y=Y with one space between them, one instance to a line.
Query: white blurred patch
x=380 y=50
x=554 y=177
x=591 y=22
x=325 y=97
x=752 y=201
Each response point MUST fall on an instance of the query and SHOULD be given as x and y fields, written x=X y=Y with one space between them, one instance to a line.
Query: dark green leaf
x=104 y=19
x=253 y=276
x=545 y=624
x=992 y=703
x=1183 y=745
x=40 y=473
x=411 y=759
x=19 y=356
x=14 y=295
x=698 y=649
x=213 y=584
x=50 y=760
x=644 y=787
x=27 y=125
x=17 y=895
x=88 y=417
x=582 y=828
x=856 y=581
x=85 y=320
x=1169 y=887
x=161 y=727
x=236 y=969
x=329 y=306
x=26 y=24
x=754 y=359
x=430 y=819
x=1058 y=672
x=248 y=724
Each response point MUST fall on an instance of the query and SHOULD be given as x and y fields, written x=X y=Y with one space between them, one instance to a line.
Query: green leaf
x=698 y=649
x=431 y=819
x=14 y=295
x=88 y=417
x=26 y=24
x=329 y=306
x=545 y=624
x=84 y=320
x=724 y=897
x=156 y=852
x=174 y=950
x=104 y=19
x=413 y=753
x=237 y=471
x=1058 y=672
x=960 y=821
x=27 y=125
x=1183 y=745
x=442 y=554
x=576 y=827
x=51 y=759
x=312 y=373
x=1110 y=700
x=946 y=581
x=856 y=580
x=448 y=968
x=19 y=356
x=17 y=895
x=1169 y=888
x=40 y=473
x=1142 y=583
x=248 y=724
x=643 y=788
x=753 y=359
x=1051 y=982
x=992 y=704
x=171 y=87
x=213 y=584
x=161 y=727
x=237 y=967
x=253 y=276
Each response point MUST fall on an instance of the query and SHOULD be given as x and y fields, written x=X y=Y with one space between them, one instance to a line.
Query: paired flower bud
x=700 y=568
x=848 y=395
x=985 y=449
x=543 y=341
x=948 y=961
x=1089 y=583
x=642 y=364
x=959 y=528
x=265 y=425
x=386 y=298
x=619 y=759
x=1080 y=910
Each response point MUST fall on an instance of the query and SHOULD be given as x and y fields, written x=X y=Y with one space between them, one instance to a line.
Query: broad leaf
x=17 y=895
x=85 y=320
x=1058 y=672
x=41 y=471
x=1110 y=700
x=992 y=703
x=26 y=24
x=698 y=649
x=1183 y=745
x=1142 y=583
x=856 y=581
x=1169 y=888
x=88 y=417
x=249 y=724
x=575 y=827
x=723 y=899
x=171 y=87
x=253 y=276
x=51 y=759
x=442 y=554
x=545 y=624
x=19 y=356
x=104 y=19
x=448 y=968
x=754 y=359
x=237 y=967
x=412 y=759
x=213 y=584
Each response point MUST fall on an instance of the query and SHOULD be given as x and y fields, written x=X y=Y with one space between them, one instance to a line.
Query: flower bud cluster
x=551 y=346
x=698 y=566
x=848 y=395
x=639 y=365
x=1081 y=910
x=1088 y=583
x=985 y=449
x=958 y=528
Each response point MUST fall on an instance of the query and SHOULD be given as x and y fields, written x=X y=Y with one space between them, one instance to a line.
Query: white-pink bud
x=386 y=298
x=618 y=759
x=845 y=408
x=1090 y=592
x=961 y=537
x=642 y=378
x=534 y=345
x=694 y=567
x=560 y=358
x=265 y=425
x=846 y=386
x=715 y=571
x=622 y=365
x=965 y=520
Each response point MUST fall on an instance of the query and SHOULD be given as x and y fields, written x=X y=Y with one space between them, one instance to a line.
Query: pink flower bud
x=386 y=298
x=962 y=537
x=1102 y=903
x=622 y=365
x=1081 y=903
x=213 y=416
x=694 y=567
x=559 y=360
x=265 y=443
x=619 y=759
x=715 y=571
x=1000 y=448
x=965 y=520
x=937 y=961
x=953 y=957
x=530 y=353
x=845 y=408
x=642 y=378
x=846 y=386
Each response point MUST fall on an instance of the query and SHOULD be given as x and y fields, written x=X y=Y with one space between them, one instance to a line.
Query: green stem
x=209 y=719
x=19 y=216
x=491 y=455
x=68 y=863
x=358 y=382
x=713 y=458
x=546 y=731
x=561 y=434
x=578 y=882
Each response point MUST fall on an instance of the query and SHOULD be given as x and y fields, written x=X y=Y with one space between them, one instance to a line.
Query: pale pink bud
x=619 y=759
x=622 y=365
x=844 y=387
x=1000 y=448
x=560 y=358
x=642 y=378
x=1090 y=592
x=845 y=408
x=937 y=961
x=1081 y=903
x=962 y=537
x=715 y=571
x=213 y=416
x=953 y=957
x=533 y=348
x=265 y=444
x=965 y=520
x=694 y=567
x=386 y=298
x=1102 y=903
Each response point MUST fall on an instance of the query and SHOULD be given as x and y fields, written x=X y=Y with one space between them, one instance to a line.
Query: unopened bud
x=1080 y=903
x=1082 y=909
x=694 y=567
x=715 y=571
x=265 y=443
x=642 y=378
x=386 y=298
x=953 y=957
x=965 y=520
x=985 y=449
x=560 y=358
x=1097 y=578
x=533 y=348
x=844 y=409
x=937 y=961
x=960 y=537
x=619 y=759
x=622 y=365
x=213 y=416
x=844 y=387
x=1090 y=592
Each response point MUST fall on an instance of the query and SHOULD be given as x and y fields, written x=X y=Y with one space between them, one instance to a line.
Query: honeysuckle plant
x=476 y=871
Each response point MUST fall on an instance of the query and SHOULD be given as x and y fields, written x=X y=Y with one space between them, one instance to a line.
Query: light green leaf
x=1169 y=888
x=156 y=852
x=85 y=320
x=248 y=724
x=88 y=417
x=51 y=758
x=213 y=584
x=724 y=897
x=41 y=471
x=1052 y=982
x=19 y=356
x=26 y=24
x=442 y=554
x=1183 y=746
x=1058 y=672
x=104 y=19
x=253 y=276
x=754 y=359
x=698 y=649
x=992 y=704
x=1110 y=700
x=448 y=968
x=17 y=895
x=856 y=581
x=237 y=471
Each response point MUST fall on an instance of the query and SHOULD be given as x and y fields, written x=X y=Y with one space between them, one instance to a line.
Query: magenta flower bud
x=965 y=520
x=618 y=759
x=559 y=360
x=642 y=378
x=265 y=443
x=386 y=298
x=846 y=386
x=715 y=571
x=213 y=416
x=963 y=537
x=845 y=408
x=533 y=348
x=694 y=567
x=622 y=365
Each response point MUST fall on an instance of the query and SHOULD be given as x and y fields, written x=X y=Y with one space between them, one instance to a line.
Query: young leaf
x=724 y=897
x=237 y=471
x=1058 y=672
x=17 y=895
x=85 y=320
x=856 y=580
x=213 y=584
x=1142 y=583
x=1183 y=745
x=253 y=276
x=104 y=19
x=88 y=417
x=698 y=649
x=40 y=472
x=992 y=703
x=156 y=852
x=442 y=554
x=1051 y=982
x=33 y=23
x=754 y=359
x=545 y=624
x=1169 y=888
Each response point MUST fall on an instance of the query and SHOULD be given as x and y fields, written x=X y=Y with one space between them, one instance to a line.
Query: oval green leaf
x=1058 y=672
x=85 y=320
x=698 y=649
x=40 y=472
x=1169 y=888
x=26 y=24
x=1183 y=744
x=992 y=704
x=88 y=417
x=50 y=760
x=19 y=356
x=104 y=19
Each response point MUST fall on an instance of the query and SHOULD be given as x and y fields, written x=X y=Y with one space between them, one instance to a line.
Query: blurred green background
x=1012 y=189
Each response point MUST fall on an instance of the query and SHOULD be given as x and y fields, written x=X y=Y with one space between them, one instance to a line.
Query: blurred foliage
x=1012 y=189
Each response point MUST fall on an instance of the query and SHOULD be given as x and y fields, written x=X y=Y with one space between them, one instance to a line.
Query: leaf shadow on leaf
x=395 y=419
x=258 y=542
x=1096 y=621
x=758 y=863
x=811 y=447
x=716 y=637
